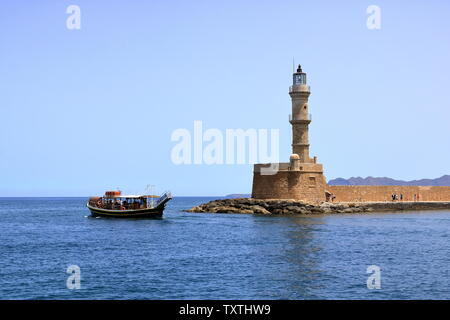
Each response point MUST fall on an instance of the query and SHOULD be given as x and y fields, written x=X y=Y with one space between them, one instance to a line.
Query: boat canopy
x=132 y=196
x=128 y=196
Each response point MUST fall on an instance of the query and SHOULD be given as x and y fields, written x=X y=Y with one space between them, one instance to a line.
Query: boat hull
x=139 y=213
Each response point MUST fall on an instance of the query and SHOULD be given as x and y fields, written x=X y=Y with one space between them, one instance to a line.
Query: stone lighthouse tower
x=302 y=177
x=300 y=117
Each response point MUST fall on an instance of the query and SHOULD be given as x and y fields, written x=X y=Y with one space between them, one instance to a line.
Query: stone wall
x=384 y=193
x=299 y=185
x=311 y=186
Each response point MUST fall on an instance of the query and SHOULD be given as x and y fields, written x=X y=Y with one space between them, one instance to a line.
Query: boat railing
x=163 y=197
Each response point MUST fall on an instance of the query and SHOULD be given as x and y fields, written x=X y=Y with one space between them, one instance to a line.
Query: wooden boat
x=114 y=204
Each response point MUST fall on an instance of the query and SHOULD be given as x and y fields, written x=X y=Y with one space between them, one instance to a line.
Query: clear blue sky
x=93 y=109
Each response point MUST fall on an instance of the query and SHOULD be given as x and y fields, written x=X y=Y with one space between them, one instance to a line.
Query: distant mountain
x=374 y=181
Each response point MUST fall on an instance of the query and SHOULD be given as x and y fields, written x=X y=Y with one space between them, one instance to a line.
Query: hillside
x=384 y=181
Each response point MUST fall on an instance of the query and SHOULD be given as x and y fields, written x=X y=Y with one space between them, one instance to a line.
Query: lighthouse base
x=307 y=184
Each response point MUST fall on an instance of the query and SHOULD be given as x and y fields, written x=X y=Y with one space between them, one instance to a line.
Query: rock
x=280 y=211
x=327 y=210
x=293 y=208
x=317 y=210
x=260 y=210
x=289 y=206
x=224 y=209
x=195 y=209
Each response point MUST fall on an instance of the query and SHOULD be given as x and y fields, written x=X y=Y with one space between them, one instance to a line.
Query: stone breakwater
x=282 y=207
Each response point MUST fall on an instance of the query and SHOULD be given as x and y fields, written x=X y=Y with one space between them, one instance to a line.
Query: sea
x=51 y=248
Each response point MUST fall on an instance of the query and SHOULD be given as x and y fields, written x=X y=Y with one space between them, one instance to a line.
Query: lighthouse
x=302 y=177
x=300 y=117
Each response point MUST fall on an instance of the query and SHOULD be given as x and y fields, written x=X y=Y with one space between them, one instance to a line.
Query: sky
x=93 y=109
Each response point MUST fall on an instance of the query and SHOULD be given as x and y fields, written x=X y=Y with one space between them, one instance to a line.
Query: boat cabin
x=114 y=200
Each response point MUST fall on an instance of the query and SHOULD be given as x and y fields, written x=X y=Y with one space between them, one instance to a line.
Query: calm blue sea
x=219 y=256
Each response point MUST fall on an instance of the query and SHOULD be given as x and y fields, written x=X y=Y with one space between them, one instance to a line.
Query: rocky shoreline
x=285 y=207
